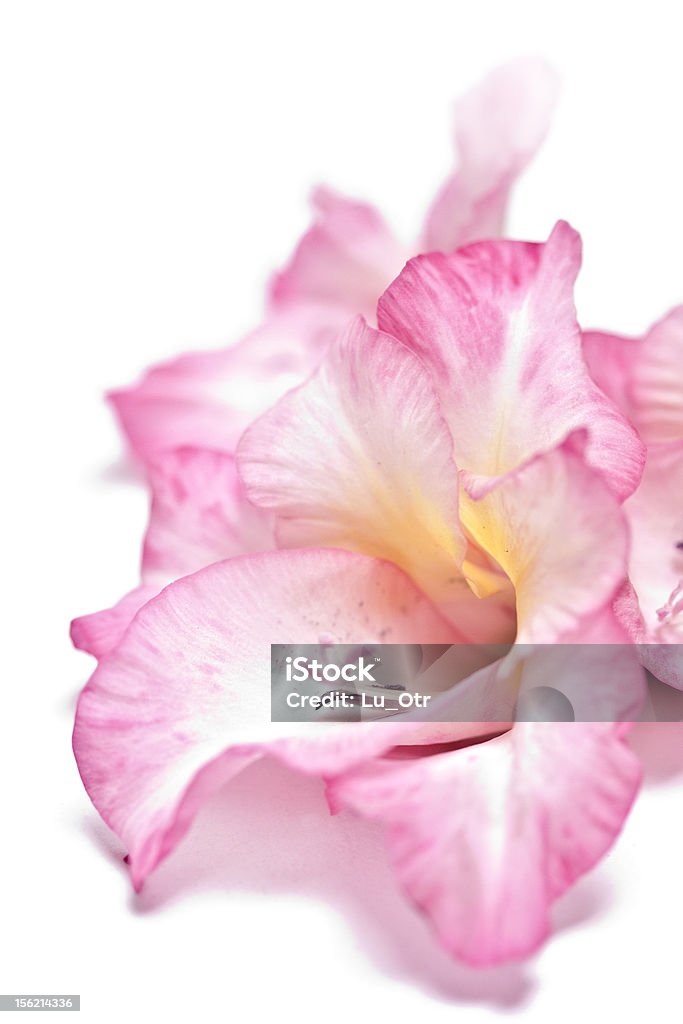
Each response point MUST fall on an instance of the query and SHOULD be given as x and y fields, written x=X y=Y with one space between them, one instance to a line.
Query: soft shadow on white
x=269 y=832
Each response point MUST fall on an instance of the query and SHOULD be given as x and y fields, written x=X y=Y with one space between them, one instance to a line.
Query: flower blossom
x=420 y=452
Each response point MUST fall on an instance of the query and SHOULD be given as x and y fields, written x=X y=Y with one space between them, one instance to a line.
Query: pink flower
x=439 y=469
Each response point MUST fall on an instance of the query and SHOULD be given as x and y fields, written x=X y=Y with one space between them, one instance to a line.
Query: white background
x=155 y=163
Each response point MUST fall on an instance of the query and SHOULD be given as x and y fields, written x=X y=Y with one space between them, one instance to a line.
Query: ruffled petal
x=199 y=515
x=496 y=325
x=611 y=361
x=658 y=381
x=360 y=457
x=499 y=126
x=206 y=399
x=485 y=838
x=183 y=702
x=643 y=376
x=346 y=259
x=655 y=515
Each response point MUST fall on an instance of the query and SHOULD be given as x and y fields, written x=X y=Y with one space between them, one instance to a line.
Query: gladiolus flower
x=452 y=464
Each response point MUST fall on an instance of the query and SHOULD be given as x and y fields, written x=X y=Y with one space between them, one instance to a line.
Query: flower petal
x=643 y=376
x=485 y=838
x=183 y=703
x=206 y=399
x=199 y=515
x=99 y=632
x=347 y=258
x=496 y=325
x=359 y=457
x=655 y=515
x=499 y=126
x=559 y=534
x=611 y=361
x=658 y=381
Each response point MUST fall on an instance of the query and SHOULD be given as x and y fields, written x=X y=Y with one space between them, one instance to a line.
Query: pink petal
x=559 y=534
x=496 y=325
x=655 y=515
x=347 y=258
x=658 y=381
x=485 y=838
x=99 y=632
x=360 y=457
x=199 y=515
x=643 y=376
x=206 y=399
x=183 y=703
x=611 y=361
x=499 y=126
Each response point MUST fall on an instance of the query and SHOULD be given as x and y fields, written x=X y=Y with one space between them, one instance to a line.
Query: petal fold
x=485 y=838
x=360 y=457
x=496 y=325
x=559 y=534
x=183 y=702
x=643 y=376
